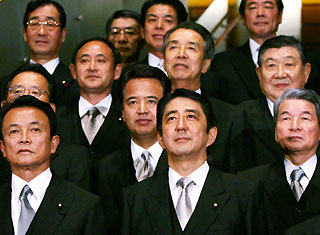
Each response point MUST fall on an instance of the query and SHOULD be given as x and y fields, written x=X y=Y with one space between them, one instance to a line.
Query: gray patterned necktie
x=144 y=167
x=92 y=123
x=26 y=213
x=295 y=176
x=184 y=208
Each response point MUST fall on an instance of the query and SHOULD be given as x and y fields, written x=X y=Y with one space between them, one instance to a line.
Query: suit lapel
x=63 y=79
x=278 y=192
x=50 y=210
x=242 y=61
x=158 y=203
x=5 y=207
x=205 y=213
x=162 y=163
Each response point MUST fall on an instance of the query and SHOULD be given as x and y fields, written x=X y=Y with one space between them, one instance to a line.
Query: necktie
x=295 y=176
x=26 y=213
x=184 y=208
x=92 y=124
x=144 y=167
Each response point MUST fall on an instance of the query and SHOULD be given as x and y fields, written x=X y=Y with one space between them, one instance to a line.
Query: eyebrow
x=31 y=123
x=47 y=17
x=84 y=55
x=286 y=57
x=153 y=15
x=149 y=96
x=303 y=112
x=186 y=110
x=176 y=41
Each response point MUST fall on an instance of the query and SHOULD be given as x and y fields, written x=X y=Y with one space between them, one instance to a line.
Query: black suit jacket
x=229 y=152
x=112 y=174
x=67 y=89
x=283 y=211
x=309 y=227
x=235 y=77
x=262 y=132
x=112 y=135
x=70 y=162
x=80 y=212
x=227 y=205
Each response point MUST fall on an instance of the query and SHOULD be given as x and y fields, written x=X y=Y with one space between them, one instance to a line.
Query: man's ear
x=205 y=65
x=307 y=70
x=53 y=106
x=258 y=72
x=160 y=140
x=117 y=71
x=212 y=135
x=2 y=148
x=54 y=143
x=3 y=103
x=24 y=34
x=63 y=35
x=142 y=32
x=73 y=71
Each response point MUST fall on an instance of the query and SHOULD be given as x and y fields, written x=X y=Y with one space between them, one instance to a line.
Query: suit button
x=298 y=210
x=297 y=221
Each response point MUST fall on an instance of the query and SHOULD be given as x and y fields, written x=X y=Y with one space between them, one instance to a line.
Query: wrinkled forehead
x=47 y=11
x=286 y=52
x=124 y=22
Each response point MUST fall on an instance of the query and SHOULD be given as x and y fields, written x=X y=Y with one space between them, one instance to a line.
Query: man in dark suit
x=291 y=184
x=235 y=79
x=141 y=88
x=191 y=197
x=93 y=121
x=33 y=199
x=282 y=65
x=308 y=227
x=188 y=50
x=44 y=32
x=157 y=17
x=70 y=161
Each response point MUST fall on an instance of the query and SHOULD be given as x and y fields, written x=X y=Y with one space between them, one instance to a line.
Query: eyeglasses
x=47 y=24
x=127 y=31
x=35 y=91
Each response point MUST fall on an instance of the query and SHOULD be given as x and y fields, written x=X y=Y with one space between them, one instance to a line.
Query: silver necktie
x=295 y=176
x=184 y=208
x=144 y=167
x=92 y=123
x=26 y=213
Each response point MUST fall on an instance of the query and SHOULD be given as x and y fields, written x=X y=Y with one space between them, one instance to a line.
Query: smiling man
x=291 y=183
x=157 y=17
x=94 y=120
x=141 y=89
x=33 y=199
x=192 y=196
x=282 y=65
x=44 y=32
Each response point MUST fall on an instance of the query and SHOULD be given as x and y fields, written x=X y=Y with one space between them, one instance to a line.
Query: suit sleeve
x=126 y=218
x=95 y=220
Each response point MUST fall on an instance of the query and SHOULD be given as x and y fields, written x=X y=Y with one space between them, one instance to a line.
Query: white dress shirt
x=198 y=176
x=308 y=168
x=49 y=66
x=155 y=151
x=254 y=48
x=38 y=186
x=103 y=106
x=270 y=106
x=154 y=61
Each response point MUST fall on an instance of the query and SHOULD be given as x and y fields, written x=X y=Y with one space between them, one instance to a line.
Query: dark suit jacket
x=112 y=135
x=148 y=207
x=70 y=162
x=112 y=174
x=67 y=89
x=283 y=211
x=229 y=152
x=236 y=79
x=80 y=212
x=262 y=132
x=311 y=226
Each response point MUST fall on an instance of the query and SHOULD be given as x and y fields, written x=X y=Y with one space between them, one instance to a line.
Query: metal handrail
x=232 y=24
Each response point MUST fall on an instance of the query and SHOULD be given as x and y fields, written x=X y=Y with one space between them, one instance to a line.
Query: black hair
x=192 y=95
x=143 y=71
x=182 y=14
x=242 y=7
x=205 y=34
x=122 y=14
x=33 y=5
x=282 y=41
x=35 y=68
x=30 y=101
x=115 y=52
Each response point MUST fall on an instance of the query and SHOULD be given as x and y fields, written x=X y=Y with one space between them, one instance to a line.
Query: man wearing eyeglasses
x=44 y=31
x=123 y=30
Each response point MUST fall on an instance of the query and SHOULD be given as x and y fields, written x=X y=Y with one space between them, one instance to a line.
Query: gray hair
x=298 y=94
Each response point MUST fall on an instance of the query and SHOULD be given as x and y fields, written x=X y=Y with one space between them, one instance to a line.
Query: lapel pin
x=215 y=204
x=60 y=205
x=63 y=82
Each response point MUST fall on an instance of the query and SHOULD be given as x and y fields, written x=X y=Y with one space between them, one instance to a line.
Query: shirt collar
x=155 y=61
x=103 y=106
x=155 y=150
x=38 y=185
x=270 y=106
x=198 y=176
x=254 y=48
x=308 y=167
x=49 y=66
